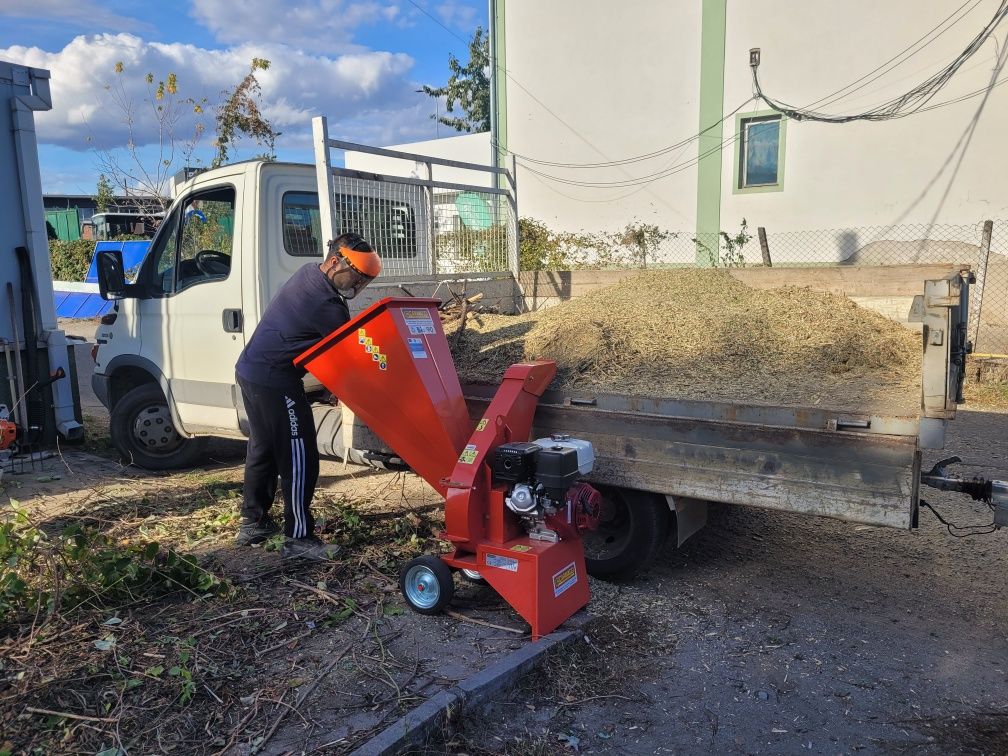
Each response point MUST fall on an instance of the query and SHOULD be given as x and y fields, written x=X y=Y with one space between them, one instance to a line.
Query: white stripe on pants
x=297 y=486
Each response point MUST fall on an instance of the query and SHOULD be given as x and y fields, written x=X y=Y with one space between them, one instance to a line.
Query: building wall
x=866 y=173
x=623 y=79
x=595 y=81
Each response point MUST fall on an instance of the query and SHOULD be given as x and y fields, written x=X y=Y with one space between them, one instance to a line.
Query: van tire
x=632 y=530
x=143 y=432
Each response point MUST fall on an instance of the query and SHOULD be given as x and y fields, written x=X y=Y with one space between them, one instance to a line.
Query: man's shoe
x=310 y=547
x=253 y=533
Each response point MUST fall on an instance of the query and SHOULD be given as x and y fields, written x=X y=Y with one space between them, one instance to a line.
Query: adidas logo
x=290 y=402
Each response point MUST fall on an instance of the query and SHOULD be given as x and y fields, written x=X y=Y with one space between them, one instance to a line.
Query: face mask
x=358 y=281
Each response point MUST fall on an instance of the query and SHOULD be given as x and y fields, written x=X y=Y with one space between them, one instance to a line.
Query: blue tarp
x=77 y=301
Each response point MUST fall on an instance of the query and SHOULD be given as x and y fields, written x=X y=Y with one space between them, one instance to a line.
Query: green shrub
x=70 y=260
x=81 y=565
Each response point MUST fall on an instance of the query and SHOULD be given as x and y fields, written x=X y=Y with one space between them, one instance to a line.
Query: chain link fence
x=982 y=246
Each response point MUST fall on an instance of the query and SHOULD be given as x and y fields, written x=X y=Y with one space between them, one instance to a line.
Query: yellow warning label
x=564 y=579
x=468 y=455
x=521 y=547
x=482 y=424
x=416 y=314
x=369 y=341
x=361 y=335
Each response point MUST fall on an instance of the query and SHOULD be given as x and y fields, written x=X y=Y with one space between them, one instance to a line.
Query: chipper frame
x=392 y=366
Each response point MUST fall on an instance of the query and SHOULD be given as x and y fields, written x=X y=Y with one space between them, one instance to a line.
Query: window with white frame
x=760 y=152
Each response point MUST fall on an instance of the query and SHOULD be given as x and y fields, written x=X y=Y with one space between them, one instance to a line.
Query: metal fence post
x=431 y=221
x=516 y=235
x=764 y=247
x=981 y=277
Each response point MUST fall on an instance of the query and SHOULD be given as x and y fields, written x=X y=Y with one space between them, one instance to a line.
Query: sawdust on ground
x=701 y=334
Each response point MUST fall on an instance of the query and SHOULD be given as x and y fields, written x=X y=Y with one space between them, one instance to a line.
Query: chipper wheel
x=426 y=584
x=472 y=576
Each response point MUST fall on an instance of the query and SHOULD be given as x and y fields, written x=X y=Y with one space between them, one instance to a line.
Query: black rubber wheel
x=426 y=584
x=472 y=576
x=632 y=529
x=142 y=431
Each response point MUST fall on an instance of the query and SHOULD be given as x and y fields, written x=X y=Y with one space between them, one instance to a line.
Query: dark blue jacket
x=305 y=310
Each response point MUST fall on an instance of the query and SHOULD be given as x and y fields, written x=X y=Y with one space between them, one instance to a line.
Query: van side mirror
x=111 y=275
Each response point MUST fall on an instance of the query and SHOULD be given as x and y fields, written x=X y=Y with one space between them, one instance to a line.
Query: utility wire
x=885 y=67
x=898 y=107
x=880 y=70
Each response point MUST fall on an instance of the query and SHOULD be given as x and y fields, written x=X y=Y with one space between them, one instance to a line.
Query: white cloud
x=370 y=89
x=86 y=14
x=457 y=14
x=323 y=26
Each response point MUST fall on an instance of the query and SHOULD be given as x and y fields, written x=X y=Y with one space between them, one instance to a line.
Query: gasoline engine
x=544 y=486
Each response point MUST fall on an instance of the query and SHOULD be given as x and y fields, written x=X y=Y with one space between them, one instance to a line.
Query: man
x=281 y=429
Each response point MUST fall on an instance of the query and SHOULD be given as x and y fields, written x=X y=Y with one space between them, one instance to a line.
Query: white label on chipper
x=502 y=562
x=418 y=321
x=416 y=347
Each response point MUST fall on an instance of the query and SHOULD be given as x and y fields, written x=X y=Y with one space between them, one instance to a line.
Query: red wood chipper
x=513 y=507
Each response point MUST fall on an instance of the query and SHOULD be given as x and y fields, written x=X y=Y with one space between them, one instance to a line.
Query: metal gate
x=418 y=222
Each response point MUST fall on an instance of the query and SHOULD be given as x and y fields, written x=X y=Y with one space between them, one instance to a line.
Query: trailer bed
x=859 y=467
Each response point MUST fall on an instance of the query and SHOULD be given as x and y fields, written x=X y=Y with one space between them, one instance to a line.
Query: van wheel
x=632 y=529
x=142 y=431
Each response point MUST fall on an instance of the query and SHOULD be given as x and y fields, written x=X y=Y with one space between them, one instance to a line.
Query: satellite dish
x=473 y=211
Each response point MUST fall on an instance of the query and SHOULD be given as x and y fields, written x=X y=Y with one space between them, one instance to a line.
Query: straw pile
x=701 y=334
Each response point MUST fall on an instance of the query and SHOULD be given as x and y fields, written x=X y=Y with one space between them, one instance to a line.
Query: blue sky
x=358 y=62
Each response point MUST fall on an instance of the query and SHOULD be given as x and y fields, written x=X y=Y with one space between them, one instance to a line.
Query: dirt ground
x=773 y=633
x=765 y=633
x=273 y=658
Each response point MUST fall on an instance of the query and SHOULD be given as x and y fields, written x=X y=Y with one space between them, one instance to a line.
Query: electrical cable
x=898 y=107
x=824 y=100
x=974 y=529
x=884 y=68
x=636 y=158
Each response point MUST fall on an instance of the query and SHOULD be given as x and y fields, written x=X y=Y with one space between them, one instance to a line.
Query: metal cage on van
x=419 y=223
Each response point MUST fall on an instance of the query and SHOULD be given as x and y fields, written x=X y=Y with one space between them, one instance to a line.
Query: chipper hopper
x=513 y=507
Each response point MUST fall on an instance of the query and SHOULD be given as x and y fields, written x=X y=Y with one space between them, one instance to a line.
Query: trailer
x=661 y=461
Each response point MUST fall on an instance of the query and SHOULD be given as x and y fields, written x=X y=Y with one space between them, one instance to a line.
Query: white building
x=601 y=103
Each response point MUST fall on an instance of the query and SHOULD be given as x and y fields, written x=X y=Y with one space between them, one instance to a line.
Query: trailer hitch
x=992 y=492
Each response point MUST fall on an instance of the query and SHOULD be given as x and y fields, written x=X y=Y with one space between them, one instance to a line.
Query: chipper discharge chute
x=513 y=508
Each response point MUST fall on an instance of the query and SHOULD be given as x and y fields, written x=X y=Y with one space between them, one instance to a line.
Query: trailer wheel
x=142 y=431
x=426 y=584
x=632 y=528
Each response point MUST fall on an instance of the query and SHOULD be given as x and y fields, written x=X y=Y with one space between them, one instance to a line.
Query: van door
x=194 y=327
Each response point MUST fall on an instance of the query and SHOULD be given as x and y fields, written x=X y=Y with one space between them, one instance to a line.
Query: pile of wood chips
x=702 y=334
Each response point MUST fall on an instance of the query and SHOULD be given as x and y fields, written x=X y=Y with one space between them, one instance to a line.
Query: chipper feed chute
x=513 y=509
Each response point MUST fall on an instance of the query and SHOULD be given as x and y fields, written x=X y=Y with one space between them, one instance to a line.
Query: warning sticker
x=482 y=424
x=521 y=547
x=361 y=335
x=502 y=562
x=418 y=321
x=468 y=455
x=564 y=579
x=416 y=347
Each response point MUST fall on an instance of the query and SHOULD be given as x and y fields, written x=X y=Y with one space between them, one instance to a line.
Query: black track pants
x=281 y=442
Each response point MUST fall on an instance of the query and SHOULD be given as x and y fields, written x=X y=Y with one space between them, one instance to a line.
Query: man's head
x=351 y=264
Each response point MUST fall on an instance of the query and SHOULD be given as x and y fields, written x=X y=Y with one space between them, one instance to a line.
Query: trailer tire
x=632 y=530
x=142 y=431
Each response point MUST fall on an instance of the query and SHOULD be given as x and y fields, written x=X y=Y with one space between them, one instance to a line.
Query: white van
x=164 y=364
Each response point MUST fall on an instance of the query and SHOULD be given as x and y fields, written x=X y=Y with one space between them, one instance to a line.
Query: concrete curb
x=472 y=692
